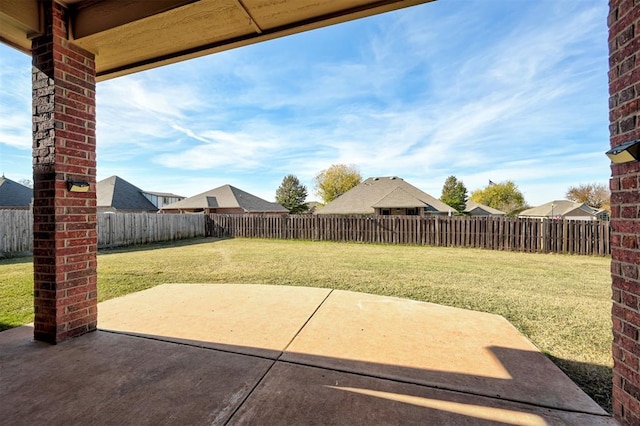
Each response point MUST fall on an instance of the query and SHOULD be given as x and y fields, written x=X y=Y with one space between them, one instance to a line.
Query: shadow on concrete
x=116 y=378
x=595 y=380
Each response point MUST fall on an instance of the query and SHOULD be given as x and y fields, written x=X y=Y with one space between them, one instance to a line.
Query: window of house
x=385 y=212
x=413 y=211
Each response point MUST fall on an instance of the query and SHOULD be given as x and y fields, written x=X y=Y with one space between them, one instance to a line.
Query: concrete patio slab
x=296 y=395
x=112 y=379
x=243 y=318
x=252 y=354
x=433 y=345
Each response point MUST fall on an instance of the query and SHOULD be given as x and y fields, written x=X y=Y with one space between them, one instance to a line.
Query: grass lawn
x=561 y=303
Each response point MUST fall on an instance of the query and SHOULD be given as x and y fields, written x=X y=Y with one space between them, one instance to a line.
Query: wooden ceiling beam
x=21 y=21
x=93 y=17
x=251 y=19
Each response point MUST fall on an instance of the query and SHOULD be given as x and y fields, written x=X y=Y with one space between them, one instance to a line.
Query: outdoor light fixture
x=623 y=153
x=77 y=186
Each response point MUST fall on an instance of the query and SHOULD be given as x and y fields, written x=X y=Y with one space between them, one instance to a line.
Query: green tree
x=592 y=194
x=503 y=196
x=454 y=193
x=335 y=181
x=292 y=195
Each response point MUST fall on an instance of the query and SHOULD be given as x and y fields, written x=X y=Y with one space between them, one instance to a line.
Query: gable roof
x=14 y=194
x=398 y=198
x=382 y=192
x=559 y=208
x=119 y=194
x=472 y=205
x=227 y=196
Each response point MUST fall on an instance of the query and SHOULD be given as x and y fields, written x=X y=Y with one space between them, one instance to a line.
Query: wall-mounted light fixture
x=623 y=153
x=77 y=186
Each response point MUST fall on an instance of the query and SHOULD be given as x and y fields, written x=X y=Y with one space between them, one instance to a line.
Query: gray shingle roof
x=119 y=194
x=473 y=206
x=14 y=194
x=227 y=196
x=398 y=198
x=558 y=208
x=382 y=192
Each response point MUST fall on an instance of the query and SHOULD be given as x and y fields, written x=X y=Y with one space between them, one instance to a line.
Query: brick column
x=64 y=233
x=624 y=116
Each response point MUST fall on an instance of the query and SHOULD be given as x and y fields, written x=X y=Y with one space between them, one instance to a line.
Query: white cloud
x=15 y=102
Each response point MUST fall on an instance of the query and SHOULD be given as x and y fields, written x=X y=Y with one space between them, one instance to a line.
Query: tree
x=592 y=194
x=454 y=193
x=503 y=196
x=335 y=181
x=291 y=195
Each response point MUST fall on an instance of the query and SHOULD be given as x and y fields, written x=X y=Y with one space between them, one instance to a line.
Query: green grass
x=561 y=303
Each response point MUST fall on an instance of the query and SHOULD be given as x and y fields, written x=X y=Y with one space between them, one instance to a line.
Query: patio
x=253 y=354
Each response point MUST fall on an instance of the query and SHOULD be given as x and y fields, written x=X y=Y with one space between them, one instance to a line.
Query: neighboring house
x=14 y=195
x=313 y=206
x=476 y=209
x=561 y=209
x=386 y=196
x=603 y=214
x=115 y=194
x=225 y=199
x=161 y=199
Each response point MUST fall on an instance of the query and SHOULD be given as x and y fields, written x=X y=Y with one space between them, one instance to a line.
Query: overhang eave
x=148 y=34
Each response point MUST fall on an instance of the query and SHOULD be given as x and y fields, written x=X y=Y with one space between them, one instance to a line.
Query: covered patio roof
x=127 y=36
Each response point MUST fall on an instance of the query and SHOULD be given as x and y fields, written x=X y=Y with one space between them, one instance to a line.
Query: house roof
x=398 y=198
x=119 y=194
x=382 y=192
x=472 y=205
x=227 y=196
x=559 y=208
x=163 y=194
x=14 y=194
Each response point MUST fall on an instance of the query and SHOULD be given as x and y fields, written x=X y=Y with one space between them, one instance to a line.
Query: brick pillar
x=624 y=116
x=64 y=233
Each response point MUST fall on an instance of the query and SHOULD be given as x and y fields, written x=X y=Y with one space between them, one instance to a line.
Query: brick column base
x=64 y=146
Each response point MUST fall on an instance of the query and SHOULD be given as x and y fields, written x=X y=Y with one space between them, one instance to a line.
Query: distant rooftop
x=14 y=194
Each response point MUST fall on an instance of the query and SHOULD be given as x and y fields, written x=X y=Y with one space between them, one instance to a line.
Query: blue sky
x=488 y=89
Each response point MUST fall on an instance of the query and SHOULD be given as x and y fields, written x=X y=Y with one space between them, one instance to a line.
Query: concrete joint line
x=275 y=361
x=304 y=325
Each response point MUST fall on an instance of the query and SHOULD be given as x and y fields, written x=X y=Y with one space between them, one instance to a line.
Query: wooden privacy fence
x=123 y=229
x=513 y=234
x=114 y=229
x=16 y=232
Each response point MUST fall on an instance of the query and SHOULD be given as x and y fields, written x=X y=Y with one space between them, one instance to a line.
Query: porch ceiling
x=134 y=35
